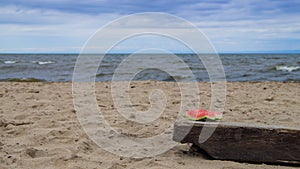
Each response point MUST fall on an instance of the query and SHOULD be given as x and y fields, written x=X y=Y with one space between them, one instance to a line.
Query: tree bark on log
x=242 y=142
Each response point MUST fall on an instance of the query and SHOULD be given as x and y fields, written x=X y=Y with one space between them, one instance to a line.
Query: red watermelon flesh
x=201 y=114
x=196 y=114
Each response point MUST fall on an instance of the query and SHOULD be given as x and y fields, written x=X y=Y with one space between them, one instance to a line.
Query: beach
x=39 y=127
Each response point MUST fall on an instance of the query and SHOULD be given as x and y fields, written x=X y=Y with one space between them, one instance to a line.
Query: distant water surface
x=238 y=67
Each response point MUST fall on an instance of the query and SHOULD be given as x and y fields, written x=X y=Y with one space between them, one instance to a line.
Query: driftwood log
x=241 y=142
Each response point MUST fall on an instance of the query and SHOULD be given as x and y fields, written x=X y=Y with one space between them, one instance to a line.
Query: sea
x=237 y=67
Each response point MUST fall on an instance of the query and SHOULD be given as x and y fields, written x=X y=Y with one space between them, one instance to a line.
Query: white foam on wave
x=10 y=62
x=287 y=68
x=44 y=62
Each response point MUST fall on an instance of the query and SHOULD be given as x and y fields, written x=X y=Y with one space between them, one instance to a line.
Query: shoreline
x=34 y=80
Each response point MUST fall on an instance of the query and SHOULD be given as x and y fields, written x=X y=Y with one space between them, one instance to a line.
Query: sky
x=232 y=26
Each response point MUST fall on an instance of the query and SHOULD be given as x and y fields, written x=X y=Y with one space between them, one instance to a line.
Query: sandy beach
x=39 y=127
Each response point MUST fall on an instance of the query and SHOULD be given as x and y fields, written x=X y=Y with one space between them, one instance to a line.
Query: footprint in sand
x=33 y=152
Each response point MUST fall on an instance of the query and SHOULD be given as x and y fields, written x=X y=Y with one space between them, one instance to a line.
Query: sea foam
x=10 y=62
x=287 y=68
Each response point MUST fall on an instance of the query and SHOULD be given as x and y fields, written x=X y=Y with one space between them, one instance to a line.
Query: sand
x=39 y=127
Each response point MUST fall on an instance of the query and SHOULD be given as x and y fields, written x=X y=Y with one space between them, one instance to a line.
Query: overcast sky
x=231 y=25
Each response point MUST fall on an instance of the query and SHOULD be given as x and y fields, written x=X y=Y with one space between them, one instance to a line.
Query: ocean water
x=237 y=67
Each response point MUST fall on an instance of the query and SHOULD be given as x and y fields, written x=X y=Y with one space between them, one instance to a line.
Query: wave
x=287 y=68
x=36 y=62
x=22 y=80
x=42 y=62
x=45 y=63
x=9 y=61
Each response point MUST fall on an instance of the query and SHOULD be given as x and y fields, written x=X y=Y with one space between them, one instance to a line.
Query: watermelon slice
x=202 y=115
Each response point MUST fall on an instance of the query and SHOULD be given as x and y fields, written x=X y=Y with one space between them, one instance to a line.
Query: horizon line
x=128 y=53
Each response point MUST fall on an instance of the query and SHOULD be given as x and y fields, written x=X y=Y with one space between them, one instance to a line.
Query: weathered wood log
x=244 y=142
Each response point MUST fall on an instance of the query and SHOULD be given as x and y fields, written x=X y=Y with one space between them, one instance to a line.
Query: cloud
x=232 y=25
x=247 y=25
x=30 y=29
